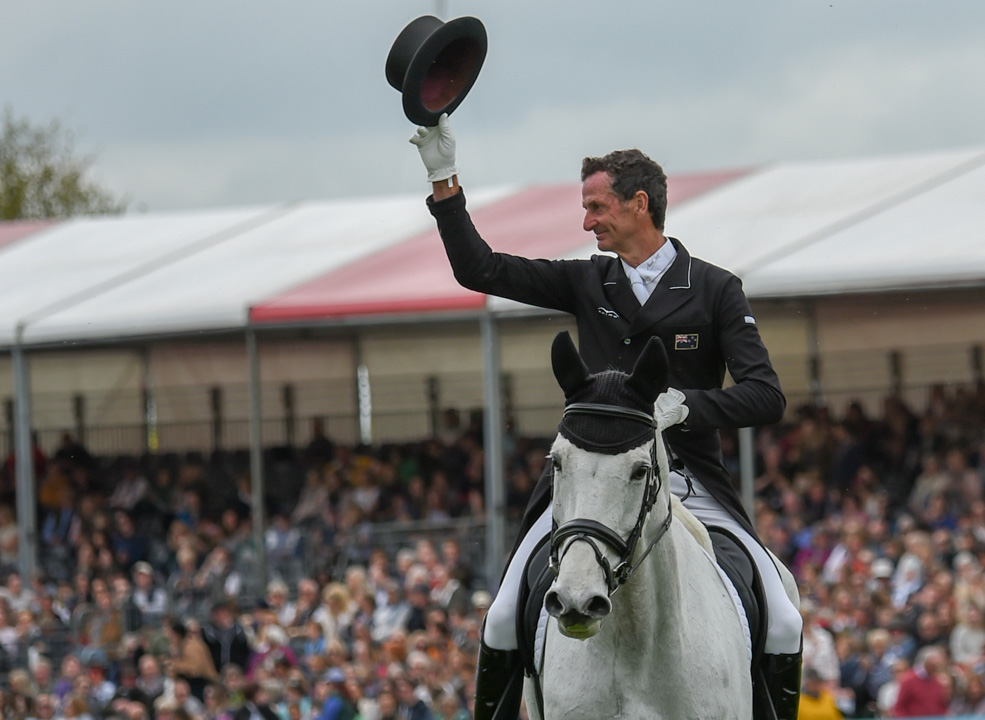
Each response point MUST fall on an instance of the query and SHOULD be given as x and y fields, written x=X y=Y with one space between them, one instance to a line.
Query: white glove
x=670 y=409
x=437 y=147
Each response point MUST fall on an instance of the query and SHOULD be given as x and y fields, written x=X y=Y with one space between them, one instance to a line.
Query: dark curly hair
x=631 y=171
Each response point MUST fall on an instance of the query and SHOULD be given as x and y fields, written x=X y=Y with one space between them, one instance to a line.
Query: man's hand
x=437 y=147
x=670 y=408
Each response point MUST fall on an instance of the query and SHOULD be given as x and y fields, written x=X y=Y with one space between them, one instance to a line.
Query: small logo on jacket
x=686 y=341
x=608 y=313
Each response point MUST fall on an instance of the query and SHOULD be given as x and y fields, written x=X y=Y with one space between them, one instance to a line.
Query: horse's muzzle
x=579 y=606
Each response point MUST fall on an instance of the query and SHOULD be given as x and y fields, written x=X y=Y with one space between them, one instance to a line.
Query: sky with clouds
x=196 y=104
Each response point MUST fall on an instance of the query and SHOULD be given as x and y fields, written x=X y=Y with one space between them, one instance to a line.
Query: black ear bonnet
x=634 y=391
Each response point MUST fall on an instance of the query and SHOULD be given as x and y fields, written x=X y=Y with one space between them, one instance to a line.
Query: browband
x=611 y=411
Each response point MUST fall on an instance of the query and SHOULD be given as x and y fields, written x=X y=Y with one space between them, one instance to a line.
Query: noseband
x=591 y=531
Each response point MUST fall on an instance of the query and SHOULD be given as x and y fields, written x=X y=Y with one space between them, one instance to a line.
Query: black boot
x=498 y=684
x=783 y=683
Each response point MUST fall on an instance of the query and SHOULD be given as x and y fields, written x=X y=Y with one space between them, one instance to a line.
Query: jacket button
x=626 y=341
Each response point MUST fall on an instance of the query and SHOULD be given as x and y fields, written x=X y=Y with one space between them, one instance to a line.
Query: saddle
x=734 y=560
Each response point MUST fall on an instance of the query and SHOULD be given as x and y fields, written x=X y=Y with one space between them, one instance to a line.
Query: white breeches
x=785 y=622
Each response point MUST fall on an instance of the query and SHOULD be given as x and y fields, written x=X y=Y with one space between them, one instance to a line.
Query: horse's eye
x=640 y=472
x=556 y=464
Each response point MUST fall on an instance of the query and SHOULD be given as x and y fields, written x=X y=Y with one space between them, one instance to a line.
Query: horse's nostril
x=553 y=603
x=598 y=607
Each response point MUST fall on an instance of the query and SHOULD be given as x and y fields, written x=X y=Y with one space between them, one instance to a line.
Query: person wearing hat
x=653 y=287
x=337 y=704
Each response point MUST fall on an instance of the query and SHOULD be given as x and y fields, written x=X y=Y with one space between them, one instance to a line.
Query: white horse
x=642 y=623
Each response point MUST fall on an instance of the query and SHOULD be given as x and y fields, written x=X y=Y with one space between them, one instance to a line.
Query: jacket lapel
x=673 y=291
x=619 y=292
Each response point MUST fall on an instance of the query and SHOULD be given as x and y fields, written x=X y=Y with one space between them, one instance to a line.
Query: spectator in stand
x=304 y=606
x=130 y=489
x=388 y=706
x=129 y=543
x=103 y=627
x=128 y=693
x=412 y=707
x=336 y=702
x=279 y=604
x=216 y=703
x=449 y=706
x=283 y=541
x=255 y=705
x=150 y=680
x=184 y=596
x=271 y=647
x=320 y=450
x=150 y=598
x=967 y=640
x=186 y=700
x=970 y=696
x=335 y=612
x=226 y=639
x=819 y=646
x=217 y=578
x=314 y=503
x=16 y=594
x=816 y=700
x=9 y=535
x=190 y=657
x=922 y=693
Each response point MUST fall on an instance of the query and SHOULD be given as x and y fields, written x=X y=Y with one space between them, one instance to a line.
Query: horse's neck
x=659 y=582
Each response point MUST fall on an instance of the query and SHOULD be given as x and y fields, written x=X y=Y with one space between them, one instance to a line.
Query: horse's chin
x=580 y=631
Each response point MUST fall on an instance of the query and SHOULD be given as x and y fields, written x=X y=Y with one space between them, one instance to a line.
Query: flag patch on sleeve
x=750 y=320
x=686 y=341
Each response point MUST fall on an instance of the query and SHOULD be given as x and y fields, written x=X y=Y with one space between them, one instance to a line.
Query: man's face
x=612 y=219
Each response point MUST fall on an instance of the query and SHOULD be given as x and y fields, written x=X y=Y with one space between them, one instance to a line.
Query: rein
x=591 y=530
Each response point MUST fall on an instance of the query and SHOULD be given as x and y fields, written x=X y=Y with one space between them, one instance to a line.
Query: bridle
x=591 y=531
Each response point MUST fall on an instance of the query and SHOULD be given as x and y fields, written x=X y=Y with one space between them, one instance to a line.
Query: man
x=226 y=639
x=921 y=692
x=653 y=287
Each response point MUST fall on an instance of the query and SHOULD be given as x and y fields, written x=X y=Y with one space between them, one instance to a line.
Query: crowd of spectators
x=149 y=604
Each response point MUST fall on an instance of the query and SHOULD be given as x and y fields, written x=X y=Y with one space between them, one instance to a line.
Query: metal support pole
x=215 y=402
x=814 y=366
x=434 y=407
x=79 y=417
x=747 y=470
x=896 y=372
x=27 y=534
x=290 y=414
x=152 y=438
x=495 y=484
x=257 y=484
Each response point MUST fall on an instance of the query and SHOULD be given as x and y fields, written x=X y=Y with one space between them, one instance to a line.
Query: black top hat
x=434 y=64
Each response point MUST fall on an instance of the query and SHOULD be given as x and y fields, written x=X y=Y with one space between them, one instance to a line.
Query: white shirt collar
x=647 y=274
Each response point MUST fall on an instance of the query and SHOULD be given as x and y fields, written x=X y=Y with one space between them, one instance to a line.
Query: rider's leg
x=783 y=648
x=498 y=682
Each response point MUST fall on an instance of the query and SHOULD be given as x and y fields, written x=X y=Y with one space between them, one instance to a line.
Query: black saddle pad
x=738 y=564
x=537 y=580
x=735 y=560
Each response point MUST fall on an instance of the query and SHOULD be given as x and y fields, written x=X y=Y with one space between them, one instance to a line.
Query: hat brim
x=443 y=70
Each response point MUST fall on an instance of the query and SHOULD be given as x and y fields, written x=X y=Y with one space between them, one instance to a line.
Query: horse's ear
x=569 y=369
x=649 y=376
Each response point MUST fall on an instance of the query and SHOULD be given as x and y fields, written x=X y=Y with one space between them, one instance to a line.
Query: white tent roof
x=787 y=230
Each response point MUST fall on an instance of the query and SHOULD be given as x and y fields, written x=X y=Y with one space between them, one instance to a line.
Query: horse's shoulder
x=692 y=524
